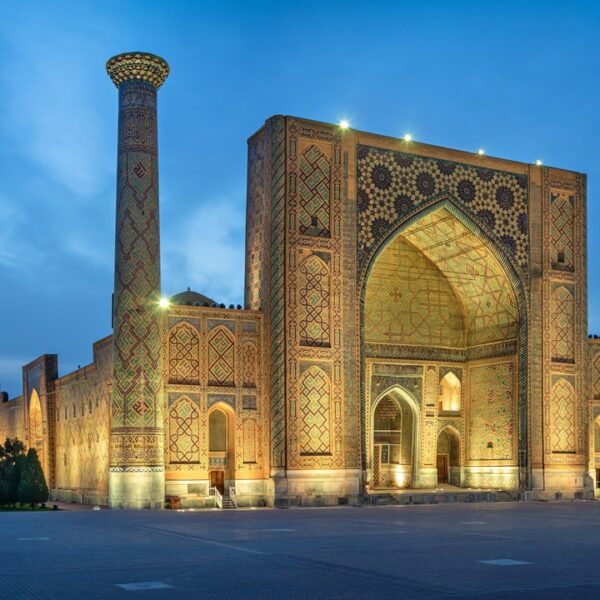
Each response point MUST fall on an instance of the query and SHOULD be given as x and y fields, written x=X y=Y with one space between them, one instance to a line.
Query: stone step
x=442 y=497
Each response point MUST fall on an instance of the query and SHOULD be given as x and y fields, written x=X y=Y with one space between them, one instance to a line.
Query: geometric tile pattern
x=315 y=394
x=314 y=296
x=561 y=324
x=562 y=211
x=563 y=416
x=392 y=185
x=409 y=301
x=136 y=398
x=491 y=423
x=184 y=354
x=221 y=361
x=314 y=193
x=249 y=365
x=249 y=432
x=184 y=430
x=596 y=377
x=424 y=292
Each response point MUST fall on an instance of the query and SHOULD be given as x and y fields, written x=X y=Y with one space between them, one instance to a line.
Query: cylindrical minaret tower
x=136 y=475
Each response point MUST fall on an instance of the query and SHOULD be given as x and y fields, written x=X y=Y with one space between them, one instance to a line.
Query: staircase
x=226 y=501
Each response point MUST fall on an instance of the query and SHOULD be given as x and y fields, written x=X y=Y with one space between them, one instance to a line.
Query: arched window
x=450 y=393
x=217 y=431
x=387 y=427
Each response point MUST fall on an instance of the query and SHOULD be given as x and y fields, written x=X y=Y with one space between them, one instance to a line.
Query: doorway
x=217 y=480
x=442 y=468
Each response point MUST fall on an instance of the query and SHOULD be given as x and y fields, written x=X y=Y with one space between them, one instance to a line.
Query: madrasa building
x=414 y=316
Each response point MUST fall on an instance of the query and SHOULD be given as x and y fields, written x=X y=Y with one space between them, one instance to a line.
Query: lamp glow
x=344 y=124
x=538 y=163
x=407 y=137
x=481 y=151
x=164 y=303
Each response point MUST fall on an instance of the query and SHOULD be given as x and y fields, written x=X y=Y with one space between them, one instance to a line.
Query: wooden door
x=217 y=480
x=442 y=468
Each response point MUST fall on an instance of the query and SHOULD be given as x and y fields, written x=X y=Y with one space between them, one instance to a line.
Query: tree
x=10 y=454
x=16 y=472
x=32 y=487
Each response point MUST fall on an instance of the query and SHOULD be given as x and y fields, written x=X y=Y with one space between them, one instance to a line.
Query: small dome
x=191 y=298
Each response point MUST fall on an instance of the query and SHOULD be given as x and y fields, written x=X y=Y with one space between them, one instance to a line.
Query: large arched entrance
x=36 y=427
x=441 y=317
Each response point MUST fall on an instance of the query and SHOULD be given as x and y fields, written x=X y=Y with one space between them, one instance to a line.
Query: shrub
x=32 y=488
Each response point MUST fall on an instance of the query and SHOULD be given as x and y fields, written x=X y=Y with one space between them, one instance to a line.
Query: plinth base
x=136 y=487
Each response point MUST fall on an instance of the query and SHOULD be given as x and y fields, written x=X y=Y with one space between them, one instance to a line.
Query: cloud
x=17 y=251
x=51 y=109
x=205 y=251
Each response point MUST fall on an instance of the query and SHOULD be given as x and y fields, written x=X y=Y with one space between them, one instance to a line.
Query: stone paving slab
x=490 y=551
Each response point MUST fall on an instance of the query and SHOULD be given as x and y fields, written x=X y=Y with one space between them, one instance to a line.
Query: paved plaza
x=503 y=550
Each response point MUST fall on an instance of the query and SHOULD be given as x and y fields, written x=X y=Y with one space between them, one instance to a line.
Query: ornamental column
x=136 y=474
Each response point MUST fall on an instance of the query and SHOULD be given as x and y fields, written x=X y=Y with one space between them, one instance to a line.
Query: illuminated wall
x=83 y=429
x=214 y=361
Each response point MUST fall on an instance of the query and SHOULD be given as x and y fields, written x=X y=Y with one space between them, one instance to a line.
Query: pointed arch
x=515 y=281
x=449 y=446
x=315 y=412
x=184 y=431
x=217 y=431
x=36 y=427
x=313 y=302
x=221 y=357
x=450 y=393
x=184 y=354
x=405 y=473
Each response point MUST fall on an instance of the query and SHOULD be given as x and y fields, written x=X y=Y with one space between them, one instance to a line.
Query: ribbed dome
x=191 y=298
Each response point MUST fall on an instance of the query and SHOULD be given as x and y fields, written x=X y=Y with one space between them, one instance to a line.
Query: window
x=387 y=426
x=217 y=431
x=450 y=393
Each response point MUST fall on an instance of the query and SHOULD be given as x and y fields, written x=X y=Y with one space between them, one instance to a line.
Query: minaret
x=136 y=475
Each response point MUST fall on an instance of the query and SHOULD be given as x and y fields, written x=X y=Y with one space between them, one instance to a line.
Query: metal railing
x=218 y=499
x=233 y=496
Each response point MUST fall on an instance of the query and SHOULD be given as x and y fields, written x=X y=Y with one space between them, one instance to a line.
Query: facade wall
x=213 y=361
x=12 y=419
x=83 y=417
x=374 y=267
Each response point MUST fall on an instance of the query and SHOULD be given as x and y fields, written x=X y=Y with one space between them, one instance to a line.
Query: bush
x=32 y=488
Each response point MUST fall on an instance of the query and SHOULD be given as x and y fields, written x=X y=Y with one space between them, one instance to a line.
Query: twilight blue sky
x=521 y=80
